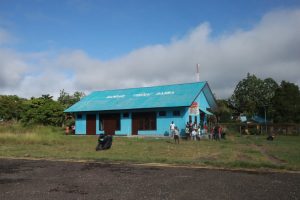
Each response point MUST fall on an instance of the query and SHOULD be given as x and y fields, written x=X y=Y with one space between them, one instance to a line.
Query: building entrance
x=109 y=123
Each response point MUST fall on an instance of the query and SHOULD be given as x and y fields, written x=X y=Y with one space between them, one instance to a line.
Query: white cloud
x=269 y=49
x=12 y=68
x=46 y=83
x=32 y=74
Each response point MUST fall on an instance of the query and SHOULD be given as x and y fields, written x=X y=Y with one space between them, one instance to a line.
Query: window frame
x=147 y=121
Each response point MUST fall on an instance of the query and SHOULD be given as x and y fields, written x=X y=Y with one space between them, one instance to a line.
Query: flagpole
x=197 y=73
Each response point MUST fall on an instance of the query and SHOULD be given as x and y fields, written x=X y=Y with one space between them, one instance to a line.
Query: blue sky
x=108 y=29
x=62 y=38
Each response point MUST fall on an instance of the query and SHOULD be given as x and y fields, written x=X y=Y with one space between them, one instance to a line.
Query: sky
x=88 y=45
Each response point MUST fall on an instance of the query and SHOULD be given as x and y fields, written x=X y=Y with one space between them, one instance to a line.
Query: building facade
x=143 y=111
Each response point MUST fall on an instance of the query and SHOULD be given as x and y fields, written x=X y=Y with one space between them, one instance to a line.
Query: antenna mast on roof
x=197 y=73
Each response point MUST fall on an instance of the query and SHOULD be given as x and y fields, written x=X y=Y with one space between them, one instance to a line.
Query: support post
x=266 y=119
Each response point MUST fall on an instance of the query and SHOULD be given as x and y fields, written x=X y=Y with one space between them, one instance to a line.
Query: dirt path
x=37 y=179
x=272 y=158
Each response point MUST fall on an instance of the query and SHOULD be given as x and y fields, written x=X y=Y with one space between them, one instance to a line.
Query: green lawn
x=234 y=152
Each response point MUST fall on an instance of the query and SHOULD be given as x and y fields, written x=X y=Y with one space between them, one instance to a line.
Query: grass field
x=234 y=152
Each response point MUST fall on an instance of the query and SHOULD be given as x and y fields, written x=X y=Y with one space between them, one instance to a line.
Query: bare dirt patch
x=272 y=158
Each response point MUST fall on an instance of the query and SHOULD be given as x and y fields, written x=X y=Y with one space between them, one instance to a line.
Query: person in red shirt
x=220 y=131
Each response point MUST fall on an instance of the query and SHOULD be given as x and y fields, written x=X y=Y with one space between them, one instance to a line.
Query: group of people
x=217 y=133
x=70 y=129
x=194 y=131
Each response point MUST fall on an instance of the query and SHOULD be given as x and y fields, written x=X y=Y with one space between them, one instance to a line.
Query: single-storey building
x=143 y=111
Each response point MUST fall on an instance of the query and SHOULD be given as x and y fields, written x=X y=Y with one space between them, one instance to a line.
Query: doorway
x=91 y=124
x=109 y=123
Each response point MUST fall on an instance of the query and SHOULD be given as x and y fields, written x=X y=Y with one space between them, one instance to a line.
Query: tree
x=252 y=94
x=67 y=100
x=268 y=92
x=223 y=113
x=286 y=103
x=43 y=110
x=78 y=95
x=11 y=107
x=246 y=94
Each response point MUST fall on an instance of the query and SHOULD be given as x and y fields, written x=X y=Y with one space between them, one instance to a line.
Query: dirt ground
x=34 y=179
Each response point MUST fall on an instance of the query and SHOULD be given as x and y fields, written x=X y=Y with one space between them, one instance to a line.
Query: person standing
x=200 y=129
x=176 y=135
x=216 y=133
x=220 y=132
x=187 y=131
x=190 y=128
x=73 y=129
x=172 y=129
x=205 y=129
x=198 y=136
x=194 y=134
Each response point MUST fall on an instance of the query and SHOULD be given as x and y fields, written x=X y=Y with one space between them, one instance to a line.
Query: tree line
x=41 y=110
x=252 y=97
x=256 y=97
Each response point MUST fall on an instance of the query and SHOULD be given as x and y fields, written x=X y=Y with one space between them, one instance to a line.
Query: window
x=162 y=113
x=190 y=119
x=126 y=115
x=176 y=113
x=195 y=121
x=79 y=116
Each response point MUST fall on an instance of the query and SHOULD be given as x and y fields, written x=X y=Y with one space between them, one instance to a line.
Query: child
x=176 y=135
x=194 y=133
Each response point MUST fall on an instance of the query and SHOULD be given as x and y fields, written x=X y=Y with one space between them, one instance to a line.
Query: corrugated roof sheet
x=136 y=98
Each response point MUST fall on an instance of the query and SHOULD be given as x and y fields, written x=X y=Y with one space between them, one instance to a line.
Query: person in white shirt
x=194 y=133
x=172 y=129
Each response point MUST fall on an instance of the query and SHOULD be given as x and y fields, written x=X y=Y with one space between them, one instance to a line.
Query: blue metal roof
x=137 y=98
x=259 y=119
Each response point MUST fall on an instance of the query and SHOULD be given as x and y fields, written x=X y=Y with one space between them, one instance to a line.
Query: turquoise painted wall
x=125 y=125
x=203 y=104
x=201 y=99
x=80 y=124
x=98 y=131
x=162 y=123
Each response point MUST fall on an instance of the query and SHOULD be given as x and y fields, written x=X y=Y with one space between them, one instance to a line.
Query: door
x=111 y=123
x=91 y=124
x=135 y=124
